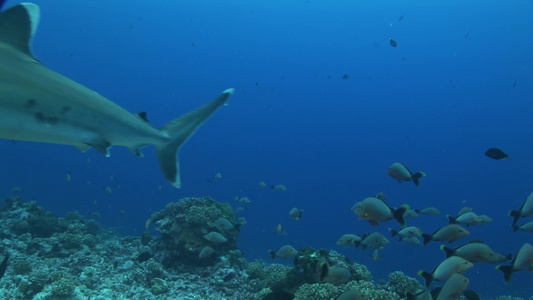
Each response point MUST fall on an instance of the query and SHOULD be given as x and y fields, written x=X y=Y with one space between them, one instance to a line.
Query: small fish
x=524 y=227
x=284 y=252
x=393 y=43
x=348 y=239
x=467 y=218
x=526 y=210
x=215 y=237
x=413 y=240
x=279 y=187
x=375 y=210
x=240 y=209
x=449 y=233
x=223 y=224
x=482 y=220
x=3 y=265
x=261 y=185
x=401 y=18
x=280 y=230
x=244 y=200
x=337 y=275
x=446 y=269
x=205 y=252
x=375 y=241
x=523 y=260
x=217 y=176
x=68 y=176
x=464 y=210
x=296 y=214
x=410 y=231
x=476 y=252
x=108 y=190
x=496 y=153
x=430 y=211
x=410 y=214
x=345 y=76
x=16 y=190
x=401 y=173
x=454 y=287
x=354 y=294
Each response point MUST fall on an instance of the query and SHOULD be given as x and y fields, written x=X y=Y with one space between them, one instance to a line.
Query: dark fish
x=2 y=4
x=496 y=153
x=400 y=18
x=3 y=265
x=345 y=76
x=393 y=43
x=514 y=84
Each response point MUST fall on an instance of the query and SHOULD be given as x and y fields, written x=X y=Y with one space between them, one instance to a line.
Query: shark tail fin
x=178 y=131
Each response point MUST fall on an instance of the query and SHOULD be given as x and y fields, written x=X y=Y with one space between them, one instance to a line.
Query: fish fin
x=428 y=277
x=398 y=214
x=509 y=256
x=427 y=238
x=101 y=146
x=179 y=130
x=516 y=214
x=18 y=25
x=451 y=220
x=449 y=251
x=507 y=271
x=415 y=177
x=143 y=116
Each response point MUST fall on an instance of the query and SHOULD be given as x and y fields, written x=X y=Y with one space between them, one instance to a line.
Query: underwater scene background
x=323 y=105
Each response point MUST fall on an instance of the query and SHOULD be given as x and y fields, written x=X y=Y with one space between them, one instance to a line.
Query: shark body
x=40 y=105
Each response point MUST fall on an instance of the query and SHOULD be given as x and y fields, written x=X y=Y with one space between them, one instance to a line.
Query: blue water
x=459 y=82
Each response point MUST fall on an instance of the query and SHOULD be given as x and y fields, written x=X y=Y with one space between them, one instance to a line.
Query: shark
x=38 y=104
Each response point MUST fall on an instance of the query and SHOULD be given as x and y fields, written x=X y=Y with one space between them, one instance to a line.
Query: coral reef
x=75 y=259
x=188 y=227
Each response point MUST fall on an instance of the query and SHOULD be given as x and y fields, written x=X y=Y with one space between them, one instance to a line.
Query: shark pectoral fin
x=18 y=25
x=101 y=146
x=179 y=130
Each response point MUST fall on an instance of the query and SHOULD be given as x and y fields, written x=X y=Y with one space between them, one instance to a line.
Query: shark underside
x=40 y=105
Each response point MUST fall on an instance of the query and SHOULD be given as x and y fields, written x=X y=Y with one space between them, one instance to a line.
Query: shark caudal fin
x=179 y=130
x=18 y=25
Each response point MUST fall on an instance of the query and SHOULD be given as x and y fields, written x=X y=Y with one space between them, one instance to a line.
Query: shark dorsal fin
x=18 y=25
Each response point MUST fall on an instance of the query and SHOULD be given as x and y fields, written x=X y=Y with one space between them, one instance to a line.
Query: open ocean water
x=323 y=104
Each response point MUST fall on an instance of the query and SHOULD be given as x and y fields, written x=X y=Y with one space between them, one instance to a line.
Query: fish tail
x=272 y=253
x=393 y=232
x=427 y=238
x=451 y=220
x=507 y=271
x=515 y=227
x=516 y=214
x=449 y=251
x=415 y=177
x=428 y=277
x=179 y=130
x=398 y=214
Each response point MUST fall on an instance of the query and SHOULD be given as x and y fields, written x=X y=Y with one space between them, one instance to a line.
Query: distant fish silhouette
x=393 y=43
x=496 y=153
